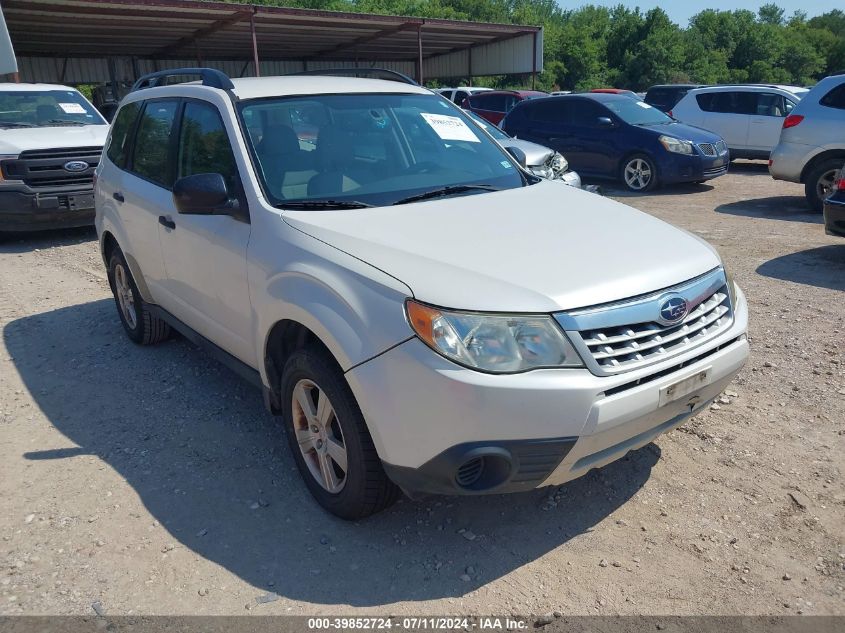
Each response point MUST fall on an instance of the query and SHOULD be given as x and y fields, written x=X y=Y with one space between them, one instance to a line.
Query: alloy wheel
x=825 y=184
x=638 y=174
x=319 y=436
x=125 y=298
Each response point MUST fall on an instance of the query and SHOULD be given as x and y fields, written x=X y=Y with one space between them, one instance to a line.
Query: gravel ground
x=151 y=481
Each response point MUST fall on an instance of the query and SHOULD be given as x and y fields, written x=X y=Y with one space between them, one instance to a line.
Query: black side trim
x=508 y=466
x=218 y=353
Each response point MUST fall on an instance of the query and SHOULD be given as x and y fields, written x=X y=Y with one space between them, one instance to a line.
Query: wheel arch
x=108 y=245
x=838 y=154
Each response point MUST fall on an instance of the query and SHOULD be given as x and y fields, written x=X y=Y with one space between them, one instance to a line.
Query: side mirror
x=519 y=156
x=605 y=121
x=203 y=194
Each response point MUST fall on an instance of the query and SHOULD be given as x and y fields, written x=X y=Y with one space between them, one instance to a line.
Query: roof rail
x=210 y=77
x=367 y=73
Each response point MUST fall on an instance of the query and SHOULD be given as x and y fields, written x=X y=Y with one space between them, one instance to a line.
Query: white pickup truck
x=51 y=138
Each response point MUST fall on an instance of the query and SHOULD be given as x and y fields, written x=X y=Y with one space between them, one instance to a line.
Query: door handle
x=118 y=196
x=166 y=222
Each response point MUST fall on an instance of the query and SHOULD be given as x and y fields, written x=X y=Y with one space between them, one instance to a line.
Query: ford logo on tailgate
x=76 y=165
x=673 y=309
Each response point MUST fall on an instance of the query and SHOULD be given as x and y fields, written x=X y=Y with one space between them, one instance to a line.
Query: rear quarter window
x=835 y=98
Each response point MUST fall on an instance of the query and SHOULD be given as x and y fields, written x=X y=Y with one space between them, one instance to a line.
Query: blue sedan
x=612 y=136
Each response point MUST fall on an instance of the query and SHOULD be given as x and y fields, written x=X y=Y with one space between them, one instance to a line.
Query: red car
x=618 y=91
x=493 y=105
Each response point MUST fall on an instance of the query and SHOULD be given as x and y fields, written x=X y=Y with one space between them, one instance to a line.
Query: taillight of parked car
x=792 y=120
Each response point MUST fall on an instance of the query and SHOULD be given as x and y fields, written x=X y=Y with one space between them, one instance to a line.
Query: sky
x=682 y=10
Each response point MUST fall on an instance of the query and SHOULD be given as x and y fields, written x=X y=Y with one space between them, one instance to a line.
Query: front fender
x=356 y=310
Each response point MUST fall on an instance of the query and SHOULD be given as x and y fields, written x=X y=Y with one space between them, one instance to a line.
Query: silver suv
x=422 y=312
x=812 y=141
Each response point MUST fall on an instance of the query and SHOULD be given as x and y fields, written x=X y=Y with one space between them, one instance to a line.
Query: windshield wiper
x=53 y=122
x=15 y=124
x=445 y=191
x=323 y=204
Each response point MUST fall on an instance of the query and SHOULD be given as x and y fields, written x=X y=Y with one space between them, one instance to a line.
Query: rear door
x=728 y=113
x=145 y=191
x=765 y=126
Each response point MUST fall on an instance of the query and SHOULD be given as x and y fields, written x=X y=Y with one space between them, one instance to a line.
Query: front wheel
x=819 y=183
x=639 y=173
x=329 y=439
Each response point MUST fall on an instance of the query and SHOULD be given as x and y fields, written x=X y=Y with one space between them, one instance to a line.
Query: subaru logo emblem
x=673 y=309
x=76 y=165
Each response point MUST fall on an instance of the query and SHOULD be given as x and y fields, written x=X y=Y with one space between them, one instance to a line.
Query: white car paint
x=539 y=249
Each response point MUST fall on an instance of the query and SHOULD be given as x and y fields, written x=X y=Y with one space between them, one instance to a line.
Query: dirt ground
x=151 y=480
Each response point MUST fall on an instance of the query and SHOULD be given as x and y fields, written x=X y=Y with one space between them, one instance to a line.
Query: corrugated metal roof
x=179 y=29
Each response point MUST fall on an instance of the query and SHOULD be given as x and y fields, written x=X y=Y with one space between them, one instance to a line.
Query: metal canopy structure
x=165 y=31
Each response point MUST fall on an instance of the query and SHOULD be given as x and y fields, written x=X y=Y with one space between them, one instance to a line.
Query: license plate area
x=685 y=386
x=80 y=201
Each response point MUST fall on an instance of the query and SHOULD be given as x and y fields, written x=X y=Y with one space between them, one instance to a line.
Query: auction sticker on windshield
x=72 y=108
x=450 y=128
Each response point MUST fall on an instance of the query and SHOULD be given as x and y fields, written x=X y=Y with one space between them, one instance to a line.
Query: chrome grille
x=710 y=149
x=625 y=336
x=45 y=167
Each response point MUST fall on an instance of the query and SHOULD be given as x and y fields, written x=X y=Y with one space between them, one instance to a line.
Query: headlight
x=543 y=171
x=676 y=146
x=6 y=157
x=498 y=343
x=559 y=163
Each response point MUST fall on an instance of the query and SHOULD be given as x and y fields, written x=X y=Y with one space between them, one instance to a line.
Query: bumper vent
x=470 y=472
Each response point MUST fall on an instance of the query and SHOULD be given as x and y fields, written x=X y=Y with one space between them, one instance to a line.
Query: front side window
x=770 y=104
x=372 y=149
x=204 y=146
x=151 y=155
x=46 y=108
x=121 y=133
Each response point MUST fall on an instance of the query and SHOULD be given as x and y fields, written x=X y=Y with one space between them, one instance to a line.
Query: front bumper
x=28 y=211
x=834 y=215
x=678 y=168
x=572 y=179
x=430 y=418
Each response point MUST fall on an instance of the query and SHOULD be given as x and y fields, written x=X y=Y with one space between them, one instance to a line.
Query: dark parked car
x=493 y=105
x=618 y=91
x=613 y=136
x=666 y=97
x=834 y=207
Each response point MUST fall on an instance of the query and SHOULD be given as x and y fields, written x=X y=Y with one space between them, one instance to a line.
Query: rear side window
x=492 y=103
x=151 y=155
x=728 y=102
x=835 y=98
x=121 y=133
x=204 y=146
x=548 y=111
x=460 y=95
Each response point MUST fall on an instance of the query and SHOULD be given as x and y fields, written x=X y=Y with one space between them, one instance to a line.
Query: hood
x=17 y=140
x=686 y=132
x=534 y=154
x=542 y=248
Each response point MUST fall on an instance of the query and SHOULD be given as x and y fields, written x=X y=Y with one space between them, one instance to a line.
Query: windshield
x=370 y=149
x=488 y=127
x=637 y=112
x=46 y=108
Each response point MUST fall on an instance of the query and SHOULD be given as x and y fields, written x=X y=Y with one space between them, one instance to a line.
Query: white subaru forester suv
x=423 y=313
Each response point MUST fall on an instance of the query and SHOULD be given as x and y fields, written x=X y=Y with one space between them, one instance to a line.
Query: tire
x=819 y=181
x=334 y=423
x=638 y=173
x=142 y=327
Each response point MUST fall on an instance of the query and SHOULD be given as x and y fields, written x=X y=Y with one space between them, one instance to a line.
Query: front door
x=205 y=255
